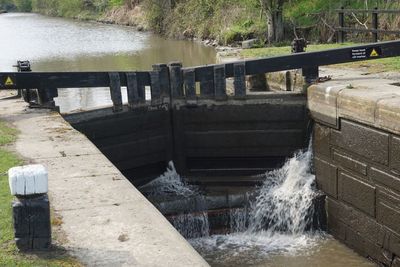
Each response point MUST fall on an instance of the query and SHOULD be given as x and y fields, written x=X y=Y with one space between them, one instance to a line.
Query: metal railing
x=342 y=29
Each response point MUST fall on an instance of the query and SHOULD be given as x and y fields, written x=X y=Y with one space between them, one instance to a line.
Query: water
x=272 y=230
x=57 y=44
x=284 y=202
x=170 y=183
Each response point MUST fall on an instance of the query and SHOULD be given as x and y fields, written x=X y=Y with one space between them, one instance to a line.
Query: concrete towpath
x=106 y=221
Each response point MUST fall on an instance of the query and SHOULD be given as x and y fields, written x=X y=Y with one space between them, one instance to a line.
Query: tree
x=273 y=10
x=6 y=5
x=23 y=5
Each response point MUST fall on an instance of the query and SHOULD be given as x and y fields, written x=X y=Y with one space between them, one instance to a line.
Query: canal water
x=55 y=44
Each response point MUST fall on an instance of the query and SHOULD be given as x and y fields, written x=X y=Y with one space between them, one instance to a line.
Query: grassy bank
x=227 y=21
x=373 y=66
x=9 y=255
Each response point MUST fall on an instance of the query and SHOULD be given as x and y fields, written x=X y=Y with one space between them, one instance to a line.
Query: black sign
x=364 y=53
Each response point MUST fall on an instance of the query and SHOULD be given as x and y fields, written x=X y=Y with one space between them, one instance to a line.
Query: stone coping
x=106 y=220
x=371 y=101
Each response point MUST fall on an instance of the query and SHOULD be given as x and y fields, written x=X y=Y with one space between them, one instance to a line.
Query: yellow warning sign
x=374 y=53
x=9 y=81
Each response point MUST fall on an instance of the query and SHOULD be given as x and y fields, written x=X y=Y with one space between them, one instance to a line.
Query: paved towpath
x=106 y=221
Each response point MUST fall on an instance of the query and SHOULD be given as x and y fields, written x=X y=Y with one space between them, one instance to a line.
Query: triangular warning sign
x=374 y=53
x=9 y=81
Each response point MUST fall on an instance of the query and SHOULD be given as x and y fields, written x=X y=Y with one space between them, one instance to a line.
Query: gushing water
x=284 y=202
x=192 y=225
x=276 y=220
x=170 y=183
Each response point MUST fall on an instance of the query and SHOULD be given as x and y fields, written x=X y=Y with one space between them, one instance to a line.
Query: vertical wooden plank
x=375 y=24
x=239 y=83
x=178 y=130
x=176 y=81
x=115 y=91
x=132 y=89
x=163 y=70
x=189 y=79
x=155 y=88
x=207 y=83
x=141 y=87
x=220 y=82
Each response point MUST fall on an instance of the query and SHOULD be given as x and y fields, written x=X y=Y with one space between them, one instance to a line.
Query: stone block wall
x=358 y=167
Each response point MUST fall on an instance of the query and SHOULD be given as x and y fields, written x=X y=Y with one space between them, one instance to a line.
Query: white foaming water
x=192 y=225
x=277 y=220
x=284 y=201
x=171 y=183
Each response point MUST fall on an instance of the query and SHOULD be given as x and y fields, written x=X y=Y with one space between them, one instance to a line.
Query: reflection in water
x=56 y=44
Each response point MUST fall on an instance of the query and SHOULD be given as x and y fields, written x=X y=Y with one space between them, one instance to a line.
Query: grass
x=373 y=66
x=9 y=255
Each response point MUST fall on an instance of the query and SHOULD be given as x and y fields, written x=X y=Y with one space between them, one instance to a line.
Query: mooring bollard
x=31 y=207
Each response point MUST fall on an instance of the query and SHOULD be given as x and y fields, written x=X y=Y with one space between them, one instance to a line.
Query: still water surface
x=55 y=44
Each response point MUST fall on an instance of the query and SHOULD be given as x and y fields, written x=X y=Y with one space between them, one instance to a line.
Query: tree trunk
x=274 y=14
x=270 y=28
x=279 y=27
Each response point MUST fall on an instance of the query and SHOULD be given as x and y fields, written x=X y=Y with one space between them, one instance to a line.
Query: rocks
x=210 y=42
x=249 y=43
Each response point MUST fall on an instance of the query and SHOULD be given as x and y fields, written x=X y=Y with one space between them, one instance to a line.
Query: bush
x=23 y=5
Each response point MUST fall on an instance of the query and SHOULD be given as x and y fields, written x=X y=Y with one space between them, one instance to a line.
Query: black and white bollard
x=31 y=207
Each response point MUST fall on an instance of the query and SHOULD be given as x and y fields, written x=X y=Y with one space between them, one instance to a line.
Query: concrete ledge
x=374 y=102
x=106 y=220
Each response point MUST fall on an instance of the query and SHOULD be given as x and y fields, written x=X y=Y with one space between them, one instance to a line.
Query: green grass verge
x=7 y=134
x=378 y=65
x=9 y=255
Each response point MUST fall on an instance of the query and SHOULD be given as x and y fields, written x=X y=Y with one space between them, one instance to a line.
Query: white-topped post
x=28 y=180
x=31 y=207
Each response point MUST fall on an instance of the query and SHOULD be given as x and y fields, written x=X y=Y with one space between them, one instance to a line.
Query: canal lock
x=202 y=211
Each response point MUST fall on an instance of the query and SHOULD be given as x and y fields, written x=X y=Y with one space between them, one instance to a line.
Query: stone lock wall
x=357 y=165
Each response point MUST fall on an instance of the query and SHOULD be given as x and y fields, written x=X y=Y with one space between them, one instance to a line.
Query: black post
x=341 y=33
x=375 y=24
x=115 y=91
x=189 y=81
x=311 y=75
x=288 y=78
x=220 y=82
x=31 y=217
x=207 y=82
x=163 y=82
x=31 y=207
x=239 y=72
x=176 y=81
x=160 y=84
x=132 y=87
